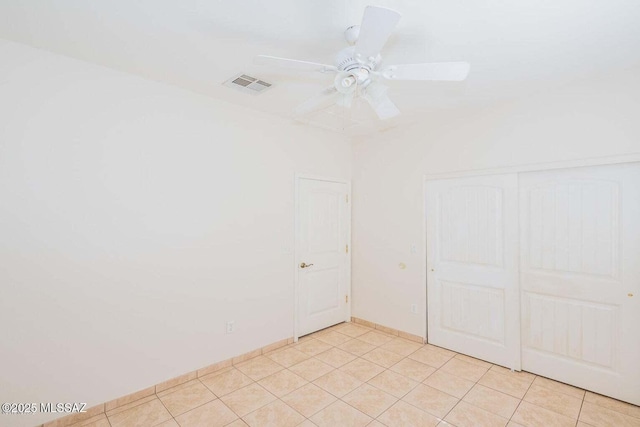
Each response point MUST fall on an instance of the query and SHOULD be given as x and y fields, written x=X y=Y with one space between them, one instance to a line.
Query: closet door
x=580 y=277
x=472 y=267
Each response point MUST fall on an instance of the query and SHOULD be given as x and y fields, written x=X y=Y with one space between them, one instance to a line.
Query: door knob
x=303 y=265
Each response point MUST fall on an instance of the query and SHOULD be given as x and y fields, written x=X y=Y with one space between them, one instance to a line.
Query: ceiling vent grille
x=247 y=84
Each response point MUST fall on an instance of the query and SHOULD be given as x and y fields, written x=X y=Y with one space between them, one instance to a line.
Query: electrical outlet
x=414 y=308
x=230 y=326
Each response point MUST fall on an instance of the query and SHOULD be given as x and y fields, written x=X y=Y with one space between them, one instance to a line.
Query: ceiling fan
x=358 y=67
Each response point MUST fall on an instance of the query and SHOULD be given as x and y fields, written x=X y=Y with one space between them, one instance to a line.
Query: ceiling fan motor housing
x=346 y=60
x=354 y=72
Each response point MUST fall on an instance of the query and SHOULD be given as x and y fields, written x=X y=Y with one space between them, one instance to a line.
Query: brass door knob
x=303 y=265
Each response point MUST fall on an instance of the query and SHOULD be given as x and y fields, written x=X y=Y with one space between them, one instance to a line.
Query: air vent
x=247 y=84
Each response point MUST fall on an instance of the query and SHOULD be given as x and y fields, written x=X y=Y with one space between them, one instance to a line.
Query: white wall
x=135 y=220
x=590 y=118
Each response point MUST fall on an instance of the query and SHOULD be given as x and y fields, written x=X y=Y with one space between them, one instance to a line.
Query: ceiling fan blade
x=346 y=100
x=384 y=107
x=443 y=71
x=376 y=96
x=376 y=27
x=293 y=64
x=325 y=98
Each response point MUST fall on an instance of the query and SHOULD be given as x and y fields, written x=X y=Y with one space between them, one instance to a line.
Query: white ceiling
x=515 y=47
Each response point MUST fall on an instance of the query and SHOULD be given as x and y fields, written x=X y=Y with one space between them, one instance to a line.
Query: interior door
x=322 y=254
x=580 y=277
x=472 y=267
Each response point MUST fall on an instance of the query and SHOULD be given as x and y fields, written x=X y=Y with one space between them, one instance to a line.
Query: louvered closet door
x=472 y=267
x=580 y=277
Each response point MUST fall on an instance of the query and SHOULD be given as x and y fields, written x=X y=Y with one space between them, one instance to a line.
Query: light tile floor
x=351 y=375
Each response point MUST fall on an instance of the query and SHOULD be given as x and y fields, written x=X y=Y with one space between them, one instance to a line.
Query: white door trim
x=423 y=261
x=297 y=178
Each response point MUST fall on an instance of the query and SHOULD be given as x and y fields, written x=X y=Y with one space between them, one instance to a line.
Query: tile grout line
x=423 y=383
x=460 y=400
x=559 y=392
x=134 y=406
x=500 y=391
x=196 y=407
x=522 y=399
x=165 y=406
x=289 y=406
x=344 y=373
x=324 y=331
x=220 y=397
x=216 y=397
x=260 y=407
x=581 y=405
x=404 y=395
x=311 y=382
x=478 y=383
x=423 y=346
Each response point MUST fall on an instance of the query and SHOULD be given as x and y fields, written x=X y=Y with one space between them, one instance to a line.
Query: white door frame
x=592 y=161
x=296 y=251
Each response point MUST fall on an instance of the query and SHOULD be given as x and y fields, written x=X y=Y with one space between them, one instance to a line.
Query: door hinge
x=346 y=249
x=346 y=197
x=346 y=298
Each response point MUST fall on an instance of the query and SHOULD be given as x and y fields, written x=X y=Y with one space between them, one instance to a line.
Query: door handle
x=303 y=265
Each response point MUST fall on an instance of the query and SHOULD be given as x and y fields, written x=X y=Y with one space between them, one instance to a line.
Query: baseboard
x=389 y=330
x=149 y=391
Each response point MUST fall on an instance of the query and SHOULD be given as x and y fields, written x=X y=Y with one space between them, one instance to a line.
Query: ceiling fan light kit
x=358 y=67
